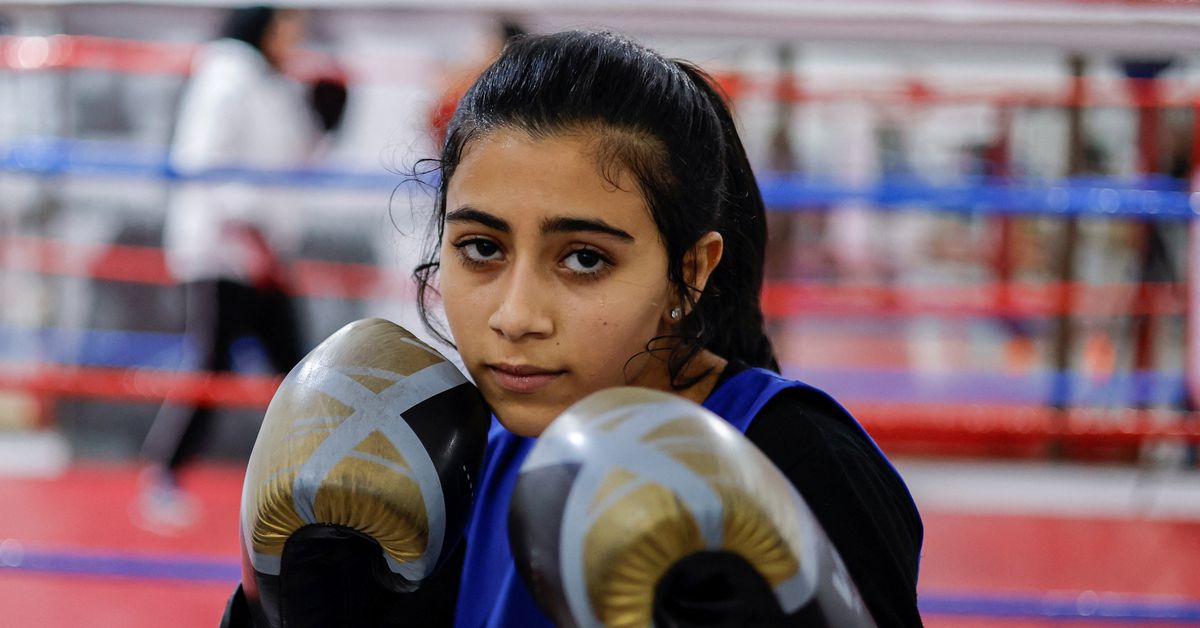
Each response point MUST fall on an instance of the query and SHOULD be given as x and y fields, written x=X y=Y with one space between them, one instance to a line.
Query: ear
x=699 y=262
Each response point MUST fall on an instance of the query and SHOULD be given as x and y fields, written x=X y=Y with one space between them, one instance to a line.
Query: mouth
x=522 y=378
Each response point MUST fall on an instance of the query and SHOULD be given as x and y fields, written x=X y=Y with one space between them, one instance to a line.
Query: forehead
x=510 y=172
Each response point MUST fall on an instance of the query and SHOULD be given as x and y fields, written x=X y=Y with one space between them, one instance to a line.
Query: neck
x=704 y=361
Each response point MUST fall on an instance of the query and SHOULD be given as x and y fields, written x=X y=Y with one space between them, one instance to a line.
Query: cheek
x=461 y=302
x=612 y=332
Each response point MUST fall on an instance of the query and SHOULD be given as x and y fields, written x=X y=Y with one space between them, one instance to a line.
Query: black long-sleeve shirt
x=852 y=489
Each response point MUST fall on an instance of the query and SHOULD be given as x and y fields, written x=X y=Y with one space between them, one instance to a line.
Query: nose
x=524 y=307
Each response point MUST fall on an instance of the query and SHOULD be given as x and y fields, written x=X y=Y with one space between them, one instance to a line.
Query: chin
x=531 y=424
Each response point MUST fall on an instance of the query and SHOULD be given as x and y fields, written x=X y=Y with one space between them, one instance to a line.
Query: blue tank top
x=492 y=594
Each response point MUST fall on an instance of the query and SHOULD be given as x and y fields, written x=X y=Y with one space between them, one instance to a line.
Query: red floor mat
x=71 y=555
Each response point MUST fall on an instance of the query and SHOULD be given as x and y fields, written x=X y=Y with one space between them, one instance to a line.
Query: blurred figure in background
x=226 y=238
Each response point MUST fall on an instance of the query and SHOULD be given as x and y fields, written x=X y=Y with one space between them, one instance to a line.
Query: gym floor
x=1007 y=544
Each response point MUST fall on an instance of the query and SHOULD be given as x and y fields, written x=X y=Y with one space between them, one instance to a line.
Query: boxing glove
x=327 y=96
x=637 y=508
x=359 y=485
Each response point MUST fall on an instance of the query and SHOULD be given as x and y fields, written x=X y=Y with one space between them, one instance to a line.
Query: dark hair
x=664 y=122
x=248 y=24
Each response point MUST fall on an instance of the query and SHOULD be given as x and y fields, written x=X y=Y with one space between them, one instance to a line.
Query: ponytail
x=731 y=309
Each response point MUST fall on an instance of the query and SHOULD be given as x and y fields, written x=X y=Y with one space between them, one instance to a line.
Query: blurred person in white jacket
x=226 y=236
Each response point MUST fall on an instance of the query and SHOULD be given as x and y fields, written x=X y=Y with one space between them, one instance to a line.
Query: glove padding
x=360 y=482
x=637 y=508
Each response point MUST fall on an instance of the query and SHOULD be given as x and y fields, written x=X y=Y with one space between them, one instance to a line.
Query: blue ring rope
x=1159 y=198
x=1080 y=605
x=1058 y=605
x=165 y=567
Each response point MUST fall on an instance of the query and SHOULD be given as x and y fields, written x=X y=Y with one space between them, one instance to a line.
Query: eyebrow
x=560 y=224
x=569 y=225
x=470 y=214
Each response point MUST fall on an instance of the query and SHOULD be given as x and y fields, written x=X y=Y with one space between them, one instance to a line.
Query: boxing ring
x=995 y=444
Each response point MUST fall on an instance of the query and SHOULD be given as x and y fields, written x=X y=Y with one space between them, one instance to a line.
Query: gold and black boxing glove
x=359 y=486
x=639 y=508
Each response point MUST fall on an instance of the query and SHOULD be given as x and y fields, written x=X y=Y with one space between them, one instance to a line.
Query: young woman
x=598 y=225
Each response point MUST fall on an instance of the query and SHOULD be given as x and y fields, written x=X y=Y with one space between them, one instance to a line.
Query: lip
x=522 y=378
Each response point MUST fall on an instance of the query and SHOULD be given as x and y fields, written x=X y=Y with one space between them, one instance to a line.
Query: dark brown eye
x=586 y=262
x=485 y=248
x=478 y=250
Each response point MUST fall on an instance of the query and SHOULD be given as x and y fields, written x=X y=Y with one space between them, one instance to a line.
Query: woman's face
x=283 y=37
x=552 y=277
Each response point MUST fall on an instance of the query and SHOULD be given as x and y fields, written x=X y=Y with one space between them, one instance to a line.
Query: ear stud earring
x=676 y=313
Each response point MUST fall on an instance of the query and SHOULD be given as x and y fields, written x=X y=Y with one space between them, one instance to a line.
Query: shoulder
x=802 y=427
x=852 y=488
x=227 y=65
x=799 y=427
x=776 y=412
x=804 y=417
